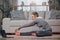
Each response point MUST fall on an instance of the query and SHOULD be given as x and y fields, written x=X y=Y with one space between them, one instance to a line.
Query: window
x=37 y=5
x=41 y=8
x=26 y=8
x=28 y=2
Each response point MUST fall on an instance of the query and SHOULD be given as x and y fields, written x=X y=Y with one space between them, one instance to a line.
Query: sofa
x=10 y=25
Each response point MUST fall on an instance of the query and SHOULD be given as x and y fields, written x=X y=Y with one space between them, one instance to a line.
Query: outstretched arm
x=28 y=25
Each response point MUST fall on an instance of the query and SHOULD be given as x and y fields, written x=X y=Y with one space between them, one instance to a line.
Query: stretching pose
x=44 y=28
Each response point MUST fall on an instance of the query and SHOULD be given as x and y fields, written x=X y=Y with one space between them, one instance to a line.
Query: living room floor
x=14 y=37
x=53 y=36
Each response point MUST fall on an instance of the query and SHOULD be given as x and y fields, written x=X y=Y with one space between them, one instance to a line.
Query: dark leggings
x=38 y=33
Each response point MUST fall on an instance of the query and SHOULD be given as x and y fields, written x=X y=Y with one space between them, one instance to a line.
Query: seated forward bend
x=44 y=27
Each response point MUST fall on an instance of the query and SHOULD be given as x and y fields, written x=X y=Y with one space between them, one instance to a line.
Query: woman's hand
x=17 y=32
x=17 y=29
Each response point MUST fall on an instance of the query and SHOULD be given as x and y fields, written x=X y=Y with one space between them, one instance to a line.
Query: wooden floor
x=13 y=37
x=53 y=36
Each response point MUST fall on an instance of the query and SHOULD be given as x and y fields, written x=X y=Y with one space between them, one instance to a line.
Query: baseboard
x=10 y=33
x=56 y=32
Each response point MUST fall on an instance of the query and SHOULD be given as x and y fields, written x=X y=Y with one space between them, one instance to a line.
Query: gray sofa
x=10 y=25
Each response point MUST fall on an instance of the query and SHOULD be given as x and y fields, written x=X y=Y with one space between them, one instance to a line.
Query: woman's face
x=33 y=17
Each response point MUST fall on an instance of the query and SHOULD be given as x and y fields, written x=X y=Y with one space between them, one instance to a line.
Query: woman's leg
x=43 y=33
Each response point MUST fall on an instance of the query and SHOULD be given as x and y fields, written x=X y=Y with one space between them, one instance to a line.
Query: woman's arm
x=29 y=24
